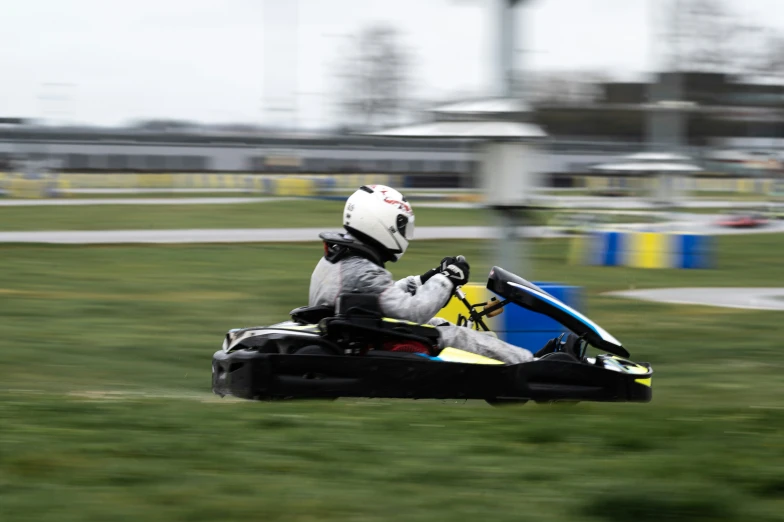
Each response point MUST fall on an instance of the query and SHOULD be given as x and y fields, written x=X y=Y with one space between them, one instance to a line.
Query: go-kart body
x=743 y=220
x=353 y=351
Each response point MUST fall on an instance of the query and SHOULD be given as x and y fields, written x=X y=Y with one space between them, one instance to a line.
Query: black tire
x=313 y=349
x=499 y=402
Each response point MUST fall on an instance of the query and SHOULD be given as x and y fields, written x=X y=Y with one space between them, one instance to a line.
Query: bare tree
x=375 y=86
x=771 y=61
x=705 y=36
x=564 y=87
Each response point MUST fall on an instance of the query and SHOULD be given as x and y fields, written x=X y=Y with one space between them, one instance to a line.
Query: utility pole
x=512 y=251
x=280 y=65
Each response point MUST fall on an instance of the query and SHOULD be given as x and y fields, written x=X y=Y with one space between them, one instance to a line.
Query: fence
x=59 y=185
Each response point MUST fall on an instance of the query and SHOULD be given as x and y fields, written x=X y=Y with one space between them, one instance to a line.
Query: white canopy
x=466 y=130
x=485 y=106
x=651 y=167
x=657 y=156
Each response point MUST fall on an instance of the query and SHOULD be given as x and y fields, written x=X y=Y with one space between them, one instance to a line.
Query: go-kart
x=354 y=351
x=743 y=220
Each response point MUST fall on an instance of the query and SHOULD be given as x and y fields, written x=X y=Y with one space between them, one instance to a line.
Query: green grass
x=297 y=213
x=106 y=413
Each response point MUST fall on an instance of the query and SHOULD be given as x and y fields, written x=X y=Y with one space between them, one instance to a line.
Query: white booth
x=512 y=164
x=665 y=176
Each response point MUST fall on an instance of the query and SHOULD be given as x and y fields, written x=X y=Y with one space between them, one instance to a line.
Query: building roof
x=647 y=167
x=485 y=106
x=657 y=156
x=467 y=130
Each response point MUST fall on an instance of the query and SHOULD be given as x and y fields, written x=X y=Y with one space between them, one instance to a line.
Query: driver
x=379 y=223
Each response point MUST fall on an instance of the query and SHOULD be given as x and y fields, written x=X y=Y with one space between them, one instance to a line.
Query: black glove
x=457 y=271
x=437 y=270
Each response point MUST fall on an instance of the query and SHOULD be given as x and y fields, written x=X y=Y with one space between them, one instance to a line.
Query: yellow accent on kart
x=461 y=356
x=303 y=327
x=630 y=366
x=644 y=382
x=390 y=320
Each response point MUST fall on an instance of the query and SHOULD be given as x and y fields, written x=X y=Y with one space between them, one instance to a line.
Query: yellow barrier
x=25 y=188
x=596 y=183
x=294 y=187
x=272 y=184
x=633 y=183
x=648 y=250
x=475 y=293
x=577 y=250
x=16 y=186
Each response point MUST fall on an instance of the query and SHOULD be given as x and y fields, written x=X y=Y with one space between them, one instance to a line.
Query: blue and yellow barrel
x=644 y=249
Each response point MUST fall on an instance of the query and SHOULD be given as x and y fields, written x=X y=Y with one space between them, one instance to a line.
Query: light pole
x=349 y=77
x=280 y=73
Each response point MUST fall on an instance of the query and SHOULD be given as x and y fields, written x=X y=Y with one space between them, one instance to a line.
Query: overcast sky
x=112 y=61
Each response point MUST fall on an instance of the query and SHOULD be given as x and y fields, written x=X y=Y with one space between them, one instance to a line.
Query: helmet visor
x=405 y=225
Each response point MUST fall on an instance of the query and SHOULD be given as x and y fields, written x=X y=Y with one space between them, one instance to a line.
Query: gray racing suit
x=407 y=299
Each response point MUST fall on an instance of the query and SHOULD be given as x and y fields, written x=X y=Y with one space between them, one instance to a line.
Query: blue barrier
x=532 y=330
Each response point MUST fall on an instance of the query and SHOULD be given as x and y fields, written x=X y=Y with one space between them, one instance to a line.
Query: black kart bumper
x=262 y=376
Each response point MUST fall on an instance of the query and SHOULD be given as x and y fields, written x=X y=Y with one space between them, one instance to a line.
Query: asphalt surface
x=700 y=224
x=248 y=235
x=747 y=298
x=675 y=222
x=568 y=202
x=131 y=201
x=121 y=191
x=594 y=202
x=703 y=224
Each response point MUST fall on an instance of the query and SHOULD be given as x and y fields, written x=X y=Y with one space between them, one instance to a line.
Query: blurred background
x=165 y=168
x=289 y=87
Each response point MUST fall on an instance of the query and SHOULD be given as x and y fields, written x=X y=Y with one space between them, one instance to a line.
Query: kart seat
x=311 y=314
x=358 y=319
x=356 y=304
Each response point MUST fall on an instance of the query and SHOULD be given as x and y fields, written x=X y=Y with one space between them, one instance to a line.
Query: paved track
x=131 y=201
x=702 y=225
x=599 y=203
x=248 y=235
x=128 y=192
x=594 y=202
x=567 y=202
x=748 y=298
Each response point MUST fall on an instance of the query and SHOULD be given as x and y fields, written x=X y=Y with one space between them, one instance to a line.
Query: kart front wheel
x=313 y=349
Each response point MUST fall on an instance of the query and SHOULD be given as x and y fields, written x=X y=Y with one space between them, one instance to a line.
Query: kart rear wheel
x=558 y=403
x=505 y=401
x=314 y=349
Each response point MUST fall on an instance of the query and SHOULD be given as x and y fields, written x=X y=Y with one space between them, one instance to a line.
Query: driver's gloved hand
x=457 y=271
x=437 y=270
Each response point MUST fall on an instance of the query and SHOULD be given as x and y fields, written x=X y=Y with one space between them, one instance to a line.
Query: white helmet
x=380 y=217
